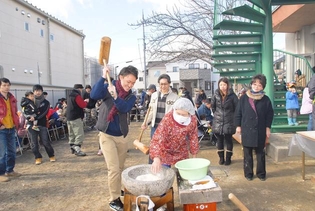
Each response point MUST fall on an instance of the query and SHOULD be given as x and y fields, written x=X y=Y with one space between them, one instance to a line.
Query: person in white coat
x=307 y=107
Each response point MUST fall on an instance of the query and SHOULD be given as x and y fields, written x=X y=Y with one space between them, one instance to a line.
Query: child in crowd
x=292 y=104
x=253 y=119
x=175 y=136
x=29 y=109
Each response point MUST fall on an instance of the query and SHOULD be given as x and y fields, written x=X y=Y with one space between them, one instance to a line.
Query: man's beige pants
x=114 y=149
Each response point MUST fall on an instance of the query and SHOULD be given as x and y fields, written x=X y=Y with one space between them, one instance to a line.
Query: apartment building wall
x=38 y=48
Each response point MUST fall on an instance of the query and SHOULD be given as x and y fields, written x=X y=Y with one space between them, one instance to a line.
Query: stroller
x=205 y=131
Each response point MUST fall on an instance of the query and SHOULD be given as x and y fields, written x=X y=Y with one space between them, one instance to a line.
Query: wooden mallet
x=237 y=202
x=137 y=143
x=104 y=55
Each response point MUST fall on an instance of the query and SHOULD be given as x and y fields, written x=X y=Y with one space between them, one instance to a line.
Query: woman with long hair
x=223 y=103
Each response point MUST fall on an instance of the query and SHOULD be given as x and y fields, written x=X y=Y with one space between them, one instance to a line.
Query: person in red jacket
x=75 y=115
x=176 y=136
x=9 y=122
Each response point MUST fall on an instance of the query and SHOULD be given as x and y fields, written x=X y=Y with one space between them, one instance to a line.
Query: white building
x=191 y=75
x=36 y=48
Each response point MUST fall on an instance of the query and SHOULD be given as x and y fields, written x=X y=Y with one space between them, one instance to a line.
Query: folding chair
x=62 y=134
x=52 y=132
x=18 y=144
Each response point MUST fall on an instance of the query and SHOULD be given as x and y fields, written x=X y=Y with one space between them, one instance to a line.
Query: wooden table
x=309 y=136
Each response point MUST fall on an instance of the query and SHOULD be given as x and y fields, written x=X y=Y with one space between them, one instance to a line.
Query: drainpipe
x=83 y=59
x=49 y=53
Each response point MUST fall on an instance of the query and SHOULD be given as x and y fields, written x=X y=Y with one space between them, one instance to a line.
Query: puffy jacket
x=74 y=111
x=223 y=112
x=307 y=103
x=292 y=100
x=3 y=109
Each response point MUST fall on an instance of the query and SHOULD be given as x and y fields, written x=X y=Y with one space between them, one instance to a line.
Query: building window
x=157 y=73
x=208 y=85
x=52 y=37
x=194 y=66
x=140 y=78
x=205 y=66
x=26 y=26
x=175 y=69
x=41 y=33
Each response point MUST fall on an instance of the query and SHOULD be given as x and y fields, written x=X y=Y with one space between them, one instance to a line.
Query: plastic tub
x=193 y=168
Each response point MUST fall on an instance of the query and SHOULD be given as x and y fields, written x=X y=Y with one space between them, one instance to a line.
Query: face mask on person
x=183 y=120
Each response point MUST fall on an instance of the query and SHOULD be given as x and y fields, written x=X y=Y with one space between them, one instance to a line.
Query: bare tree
x=184 y=31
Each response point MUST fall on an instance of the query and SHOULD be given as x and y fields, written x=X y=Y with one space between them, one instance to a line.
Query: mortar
x=139 y=180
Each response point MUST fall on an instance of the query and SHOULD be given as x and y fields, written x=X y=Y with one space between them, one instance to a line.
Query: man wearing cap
x=150 y=90
x=75 y=115
x=43 y=106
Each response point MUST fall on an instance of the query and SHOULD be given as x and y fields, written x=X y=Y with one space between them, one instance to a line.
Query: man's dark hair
x=207 y=101
x=167 y=77
x=37 y=87
x=4 y=80
x=130 y=70
x=45 y=93
x=28 y=93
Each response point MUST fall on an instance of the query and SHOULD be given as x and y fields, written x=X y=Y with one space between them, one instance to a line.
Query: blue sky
x=98 y=18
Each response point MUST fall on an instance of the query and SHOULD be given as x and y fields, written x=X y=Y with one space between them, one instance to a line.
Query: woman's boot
x=228 y=157
x=221 y=156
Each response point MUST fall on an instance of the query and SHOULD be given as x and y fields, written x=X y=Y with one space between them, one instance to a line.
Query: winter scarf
x=39 y=100
x=255 y=95
x=121 y=94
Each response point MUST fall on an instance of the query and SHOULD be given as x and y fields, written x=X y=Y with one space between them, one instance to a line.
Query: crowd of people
x=31 y=124
x=173 y=117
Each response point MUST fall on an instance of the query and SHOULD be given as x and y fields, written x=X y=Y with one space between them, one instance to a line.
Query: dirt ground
x=80 y=183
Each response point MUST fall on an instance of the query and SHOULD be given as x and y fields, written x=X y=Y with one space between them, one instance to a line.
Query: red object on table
x=204 y=207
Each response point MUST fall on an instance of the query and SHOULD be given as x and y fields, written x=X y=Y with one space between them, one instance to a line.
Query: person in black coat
x=253 y=119
x=223 y=103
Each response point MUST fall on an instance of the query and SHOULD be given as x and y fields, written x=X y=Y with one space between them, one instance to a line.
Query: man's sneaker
x=52 y=159
x=116 y=205
x=38 y=161
x=77 y=151
x=12 y=174
x=4 y=178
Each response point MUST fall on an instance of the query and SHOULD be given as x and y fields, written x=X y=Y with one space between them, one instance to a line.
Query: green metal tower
x=244 y=48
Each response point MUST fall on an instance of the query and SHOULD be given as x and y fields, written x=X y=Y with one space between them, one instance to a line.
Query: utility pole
x=38 y=73
x=144 y=59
